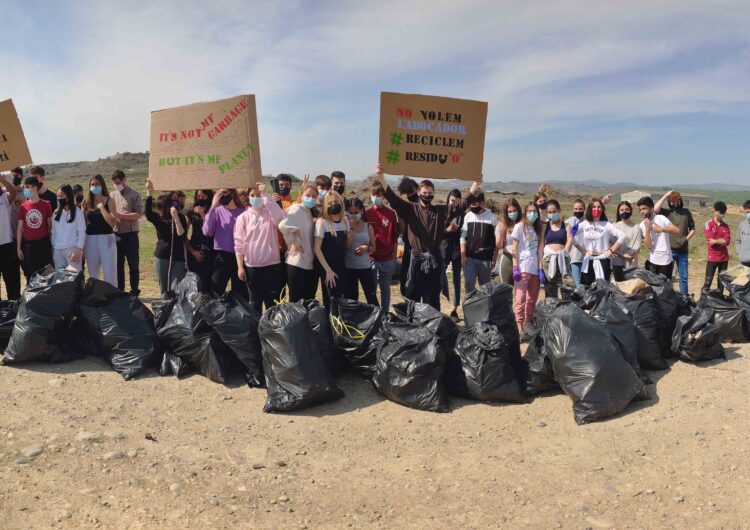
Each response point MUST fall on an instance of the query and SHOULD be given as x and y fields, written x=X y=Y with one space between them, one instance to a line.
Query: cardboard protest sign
x=432 y=137
x=13 y=149
x=205 y=145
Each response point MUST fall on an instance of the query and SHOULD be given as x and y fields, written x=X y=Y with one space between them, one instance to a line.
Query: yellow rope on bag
x=340 y=327
x=283 y=296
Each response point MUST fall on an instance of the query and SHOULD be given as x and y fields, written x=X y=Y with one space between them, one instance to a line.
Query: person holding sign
x=219 y=224
x=425 y=227
x=171 y=229
x=100 y=249
x=8 y=255
x=297 y=229
x=256 y=247
x=34 y=227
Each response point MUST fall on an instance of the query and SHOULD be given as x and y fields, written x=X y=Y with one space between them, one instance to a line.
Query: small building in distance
x=689 y=200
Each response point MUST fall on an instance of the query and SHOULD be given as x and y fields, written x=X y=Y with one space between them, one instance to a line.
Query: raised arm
x=657 y=206
x=10 y=190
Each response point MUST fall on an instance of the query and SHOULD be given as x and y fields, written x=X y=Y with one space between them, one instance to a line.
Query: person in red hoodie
x=718 y=237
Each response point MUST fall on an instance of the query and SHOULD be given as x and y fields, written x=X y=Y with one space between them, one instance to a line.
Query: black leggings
x=711 y=268
x=224 y=269
x=302 y=283
x=265 y=285
x=203 y=269
x=366 y=277
x=588 y=278
x=665 y=270
x=618 y=271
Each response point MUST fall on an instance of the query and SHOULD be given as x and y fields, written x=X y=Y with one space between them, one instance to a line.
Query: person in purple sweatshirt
x=219 y=224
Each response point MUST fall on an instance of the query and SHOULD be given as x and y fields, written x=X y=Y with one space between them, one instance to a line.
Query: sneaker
x=454 y=316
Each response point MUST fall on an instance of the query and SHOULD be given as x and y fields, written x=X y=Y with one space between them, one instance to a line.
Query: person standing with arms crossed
x=656 y=230
x=718 y=237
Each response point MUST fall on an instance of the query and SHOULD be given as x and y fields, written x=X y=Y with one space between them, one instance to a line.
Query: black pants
x=203 y=268
x=302 y=283
x=665 y=270
x=711 y=268
x=225 y=269
x=427 y=286
x=618 y=271
x=10 y=269
x=128 y=249
x=265 y=285
x=455 y=264
x=588 y=278
x=366 y=278
x=320 y=274
x=37 y=254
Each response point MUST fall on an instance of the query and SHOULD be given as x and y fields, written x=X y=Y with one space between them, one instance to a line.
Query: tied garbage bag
x=8 y=312
x=732 y=321
x=236 y=323
x=120 y=327
x=320 y=323
x=411 y=367
x=644 y=313
x=588 y=297
x=296 y=375
x=696 y=338
x=589 y=365
x=45 y=311
x=185 y=334
x=491 y=302
x=424 y=315
x=487 y=366
x=354 y=325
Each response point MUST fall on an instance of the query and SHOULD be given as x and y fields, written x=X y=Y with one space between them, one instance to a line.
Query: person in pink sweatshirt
x=256 y=247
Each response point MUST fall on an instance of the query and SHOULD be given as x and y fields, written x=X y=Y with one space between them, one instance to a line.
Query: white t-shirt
x=660 y=252
x=528 y=242
x=6 y=226
x=597 y=236
x=322 y=227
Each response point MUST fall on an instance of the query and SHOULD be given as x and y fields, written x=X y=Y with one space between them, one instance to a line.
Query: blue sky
x=643 y=91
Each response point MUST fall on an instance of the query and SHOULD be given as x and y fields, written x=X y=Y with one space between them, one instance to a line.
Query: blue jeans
x=384 y=271
x=476 y=269
x=167 y=277
x=682 y=267
x=575 y=271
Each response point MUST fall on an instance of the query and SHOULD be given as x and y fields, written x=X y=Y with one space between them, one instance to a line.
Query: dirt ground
x=82 y=448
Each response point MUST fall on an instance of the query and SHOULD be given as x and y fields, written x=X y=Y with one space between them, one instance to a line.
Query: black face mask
x=413 y=198
x=201 y=202
x=578 y=215
x=315 y=211
x=334 y=209
x=339 y=188
x=673 y=206
x=62 y=202
x=541 y=205
x=476 y=209
x=427 y=199
x=625 y=215
x=225 y=200
x=284 y=191
x=17 y=181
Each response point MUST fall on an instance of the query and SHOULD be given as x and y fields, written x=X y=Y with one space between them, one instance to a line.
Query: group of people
x=262 y=243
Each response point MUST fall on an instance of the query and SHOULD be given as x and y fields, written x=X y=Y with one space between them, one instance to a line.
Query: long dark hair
x=68 y=191
x=536 y=224
x=589 y=217
x=91 y=199
x=207 y=193
x=509 y=223
x=164 y=203
x=624 y=203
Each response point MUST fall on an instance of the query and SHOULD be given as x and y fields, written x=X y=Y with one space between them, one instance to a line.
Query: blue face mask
x=256 y=202
x=513 y=216
x=321 y=194
x=27 y=193
x=96 y=190
x=554 y=217
x=747 y=215
x=532 y=216
x=377 y=201
x=307 y=202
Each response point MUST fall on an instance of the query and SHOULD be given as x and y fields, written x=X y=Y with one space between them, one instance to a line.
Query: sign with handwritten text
x=205 y=145
x=432 y=137
x=13 y=149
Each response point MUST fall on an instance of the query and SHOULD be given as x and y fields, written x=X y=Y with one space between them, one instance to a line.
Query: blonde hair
x=306 y=187
x=326 y=216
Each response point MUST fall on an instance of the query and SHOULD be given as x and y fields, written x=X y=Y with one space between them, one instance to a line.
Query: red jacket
x=715 y=230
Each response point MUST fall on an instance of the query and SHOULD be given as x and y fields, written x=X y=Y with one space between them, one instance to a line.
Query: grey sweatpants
x=101 y=253
x=61 y=260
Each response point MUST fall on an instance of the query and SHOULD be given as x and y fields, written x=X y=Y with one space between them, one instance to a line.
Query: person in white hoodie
x=297 y=228
x=68 y=231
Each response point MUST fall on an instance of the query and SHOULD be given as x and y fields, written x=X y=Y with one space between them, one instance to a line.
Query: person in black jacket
x=451 y=248
x=171 y=227
x=200 y=247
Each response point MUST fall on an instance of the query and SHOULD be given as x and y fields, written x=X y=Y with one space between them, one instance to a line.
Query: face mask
x=96 y=190
x=554 y=216
x=625 y=215
x=339 y=188
x=747 y=216
x=513 y=216
x=532 y=216
x=284 y=191
x=256 y=202
x=225 y=200
x=413 y=198
x=596 y=213
x=673 y=206
x=62 y=202
x=201 y=202
x=307 y=202
x=321 y=194
x=334 y=209
x=541 y=205
x=427 y=199
x=377 y=201
x=476 y=209
x=27 y=193
x=119 y=187
x=578 y=215
x=357 y=216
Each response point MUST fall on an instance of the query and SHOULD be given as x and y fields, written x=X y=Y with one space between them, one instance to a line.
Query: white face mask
x=119 y=187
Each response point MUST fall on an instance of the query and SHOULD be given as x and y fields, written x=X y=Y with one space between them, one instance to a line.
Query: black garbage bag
x=740 y=294
x=236 y=322
x=696 y=338
x=187 y=335
x=8 y=311
x=589 y=296
x=589 y=364
x=485 y=365
x=170 y=363
x=686 y=304
x=666 y=302
x=296 y=375
x=319 y=320
x=491 y=302
x=45 y=312
x=426 y=316
x=644 y=313
x=732 y=320
x=354 y=324
x=540 y=376
x=120 y=326
x=411 y=366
